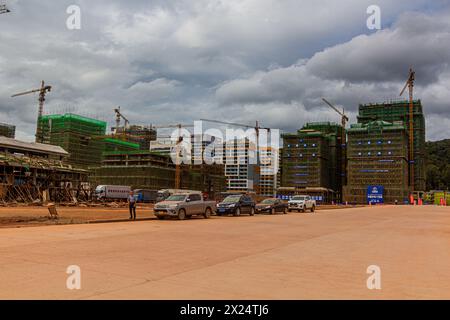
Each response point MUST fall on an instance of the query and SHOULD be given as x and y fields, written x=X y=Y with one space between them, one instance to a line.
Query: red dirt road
x=294 y=256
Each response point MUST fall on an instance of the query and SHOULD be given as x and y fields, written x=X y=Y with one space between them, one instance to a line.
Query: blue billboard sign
x=375 y=194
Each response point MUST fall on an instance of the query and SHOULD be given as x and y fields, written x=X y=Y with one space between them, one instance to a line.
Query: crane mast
x=410 y=85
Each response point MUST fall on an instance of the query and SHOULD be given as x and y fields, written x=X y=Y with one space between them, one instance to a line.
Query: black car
x=271 y=205
x=236 y=205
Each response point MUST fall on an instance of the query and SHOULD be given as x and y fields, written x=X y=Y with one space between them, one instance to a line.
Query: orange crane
x=257 y=128
x=42 y=92
x=180 y=139
x=410 y=85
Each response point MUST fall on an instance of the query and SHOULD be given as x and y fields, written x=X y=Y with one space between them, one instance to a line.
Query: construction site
x=323 y=171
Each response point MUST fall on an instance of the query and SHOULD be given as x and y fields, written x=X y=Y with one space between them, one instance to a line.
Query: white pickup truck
x=184 y=205
x=301 y=203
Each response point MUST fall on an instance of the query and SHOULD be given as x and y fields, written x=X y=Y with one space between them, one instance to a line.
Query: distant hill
x=438 y=165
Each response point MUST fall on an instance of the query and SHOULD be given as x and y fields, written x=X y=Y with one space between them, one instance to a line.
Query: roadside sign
x=375 y=194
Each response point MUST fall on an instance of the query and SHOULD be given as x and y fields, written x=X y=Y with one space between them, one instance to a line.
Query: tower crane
x=344 y=120
x=257 y=128
x=180 y=139
x=42 y=92
x=119 y=115
x=4 y=9
x=410 y=85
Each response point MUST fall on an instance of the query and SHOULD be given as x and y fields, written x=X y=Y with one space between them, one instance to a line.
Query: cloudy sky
x=171 y=61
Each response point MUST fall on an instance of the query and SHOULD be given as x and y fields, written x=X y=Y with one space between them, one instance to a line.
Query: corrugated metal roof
x=32 y=146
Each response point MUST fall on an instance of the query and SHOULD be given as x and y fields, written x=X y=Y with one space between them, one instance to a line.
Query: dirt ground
x=28 y=216
x=324 y=255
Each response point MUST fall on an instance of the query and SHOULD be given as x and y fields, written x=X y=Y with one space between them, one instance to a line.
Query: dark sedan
x=236 y=204
x=271 y=206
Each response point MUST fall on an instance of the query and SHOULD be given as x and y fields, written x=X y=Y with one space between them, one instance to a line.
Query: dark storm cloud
x=176 y=61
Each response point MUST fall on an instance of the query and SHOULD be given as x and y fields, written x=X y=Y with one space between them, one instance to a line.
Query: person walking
x=132 y=205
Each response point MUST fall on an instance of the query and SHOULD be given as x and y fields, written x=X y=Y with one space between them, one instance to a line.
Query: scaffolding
x=78 y=135
x=34 y=179
x=314 y=157
x=399 y=111
x=7 y=130
x=377 y=156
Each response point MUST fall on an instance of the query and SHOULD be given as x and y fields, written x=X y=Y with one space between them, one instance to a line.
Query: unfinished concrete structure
x=7 y=130
x=35 y=172
x=141 y=135
x=377 y=156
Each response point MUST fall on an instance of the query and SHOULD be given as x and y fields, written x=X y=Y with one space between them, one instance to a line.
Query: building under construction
x=149 y=170
x=313 y=161
x=80 y=136
x=377 y=157
x=141 y=135
x=399 y=111
x=35 y=172
x=7 y=130
x=83 y=138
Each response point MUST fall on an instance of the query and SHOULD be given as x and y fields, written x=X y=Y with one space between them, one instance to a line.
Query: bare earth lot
x=294 y=256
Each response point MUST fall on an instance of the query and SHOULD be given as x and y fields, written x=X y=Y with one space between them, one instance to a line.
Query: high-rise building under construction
x=313 y=161
x=399 y=111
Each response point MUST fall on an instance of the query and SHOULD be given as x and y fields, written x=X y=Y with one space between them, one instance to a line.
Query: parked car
x=111 y=192
x=144 y=195
x=271 y=205
x=236 y=204
x=301 y=203
x=184 y=205
x=163 y=194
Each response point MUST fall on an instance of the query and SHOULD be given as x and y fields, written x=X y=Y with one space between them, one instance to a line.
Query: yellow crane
x=410 y=85
x=42 y=92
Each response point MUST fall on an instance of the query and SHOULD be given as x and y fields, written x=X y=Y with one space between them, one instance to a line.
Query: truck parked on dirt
x=111 y=192
x=184 y=205
x=301 y=203
x=145 y=195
